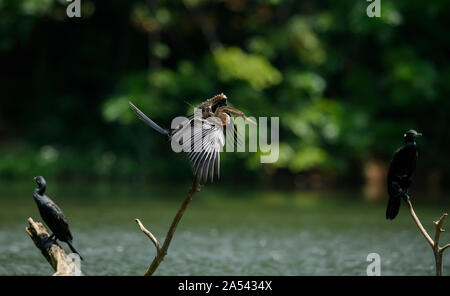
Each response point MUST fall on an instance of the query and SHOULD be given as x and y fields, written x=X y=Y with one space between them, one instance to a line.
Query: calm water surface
x=222 y=233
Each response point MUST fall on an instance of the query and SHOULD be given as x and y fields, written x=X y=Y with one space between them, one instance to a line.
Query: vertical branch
x=437 y=250
x=439 y=228
x=434 y=244
x=161 y=252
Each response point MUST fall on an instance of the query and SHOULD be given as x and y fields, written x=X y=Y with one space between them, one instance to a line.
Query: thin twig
x=162 y=251
x=150 y=236
x=422 y=230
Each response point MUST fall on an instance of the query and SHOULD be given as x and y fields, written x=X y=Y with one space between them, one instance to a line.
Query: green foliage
x=233 y=63
x=344 y=86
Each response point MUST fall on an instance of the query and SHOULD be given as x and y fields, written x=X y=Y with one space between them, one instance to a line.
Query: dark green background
x=344 y=85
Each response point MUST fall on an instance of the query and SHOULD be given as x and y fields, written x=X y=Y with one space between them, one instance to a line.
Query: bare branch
x=422 y=230
x=163 y=250
x=439 y=229
x=150 y=236
x=437 y=251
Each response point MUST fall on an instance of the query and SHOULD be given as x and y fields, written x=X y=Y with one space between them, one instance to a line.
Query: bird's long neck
x=39 y=197
x=41 y=190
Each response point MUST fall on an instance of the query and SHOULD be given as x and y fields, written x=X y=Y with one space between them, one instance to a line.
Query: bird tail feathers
x=393 y=207
x=72 y=248
x=148 y=121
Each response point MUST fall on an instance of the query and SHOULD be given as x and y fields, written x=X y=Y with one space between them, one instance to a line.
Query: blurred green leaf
x=233 y=63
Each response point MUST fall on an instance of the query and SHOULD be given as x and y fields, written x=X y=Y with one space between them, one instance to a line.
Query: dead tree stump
x=52 y=251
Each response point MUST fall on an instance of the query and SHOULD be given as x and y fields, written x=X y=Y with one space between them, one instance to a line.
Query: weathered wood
x=55 y=255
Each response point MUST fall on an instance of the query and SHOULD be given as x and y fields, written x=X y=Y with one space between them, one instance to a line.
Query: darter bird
x=400 y=173
x=52 y=215
x=202 y=137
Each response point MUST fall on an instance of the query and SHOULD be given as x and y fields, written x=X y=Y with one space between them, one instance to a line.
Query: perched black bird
x=400 y=173
x=205 y=134
x=52 y=215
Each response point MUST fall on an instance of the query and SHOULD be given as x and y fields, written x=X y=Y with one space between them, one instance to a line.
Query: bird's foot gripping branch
x=434 y=244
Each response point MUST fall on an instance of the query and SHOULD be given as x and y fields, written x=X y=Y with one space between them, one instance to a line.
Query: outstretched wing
x=203 y=145
x=232 y=135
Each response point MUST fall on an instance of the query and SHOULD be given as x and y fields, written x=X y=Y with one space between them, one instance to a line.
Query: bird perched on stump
x=202 y=137
x=52 y=215
x=400 y=173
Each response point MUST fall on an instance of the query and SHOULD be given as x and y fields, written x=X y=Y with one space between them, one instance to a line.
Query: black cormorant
x=52 y=215
x=205 y=143
x=400 y=173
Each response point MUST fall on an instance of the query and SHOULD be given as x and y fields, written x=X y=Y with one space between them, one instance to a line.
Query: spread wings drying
x=203 y=142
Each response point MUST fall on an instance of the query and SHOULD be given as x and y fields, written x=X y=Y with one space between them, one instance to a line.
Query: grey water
x=223 y=232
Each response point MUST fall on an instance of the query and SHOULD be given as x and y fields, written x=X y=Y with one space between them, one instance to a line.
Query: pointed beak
x=419 y=135
x=249 y=120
